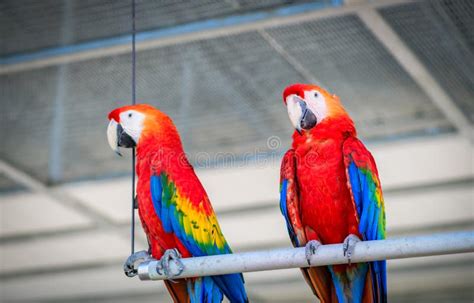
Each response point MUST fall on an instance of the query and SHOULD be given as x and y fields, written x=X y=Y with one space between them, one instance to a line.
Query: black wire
x=132 y=231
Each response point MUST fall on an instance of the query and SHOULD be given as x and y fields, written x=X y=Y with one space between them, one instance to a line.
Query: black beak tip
x=308 y=120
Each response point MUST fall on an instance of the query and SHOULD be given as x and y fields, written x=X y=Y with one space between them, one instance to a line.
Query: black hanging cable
x=134 y=205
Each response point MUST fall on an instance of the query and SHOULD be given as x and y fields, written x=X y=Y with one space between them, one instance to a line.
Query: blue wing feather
x=368 y=200
x=284 y=211
x=206 y=289
x=156 y=190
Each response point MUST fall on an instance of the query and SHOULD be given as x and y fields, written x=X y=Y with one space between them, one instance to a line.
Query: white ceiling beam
x=416 y=69
x=19 y=216
x=54 y=193
x=73 y=204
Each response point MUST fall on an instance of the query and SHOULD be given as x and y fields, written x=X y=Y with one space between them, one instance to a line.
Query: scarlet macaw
x=331 y=193
x=174 y=209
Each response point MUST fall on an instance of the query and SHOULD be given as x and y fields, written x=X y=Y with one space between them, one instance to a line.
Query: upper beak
x=113 y=136
x=300 y=115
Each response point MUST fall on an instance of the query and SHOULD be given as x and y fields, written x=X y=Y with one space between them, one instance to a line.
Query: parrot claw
x=164 y=264
x=310 y=249
x=129 y=266
x=348 y=246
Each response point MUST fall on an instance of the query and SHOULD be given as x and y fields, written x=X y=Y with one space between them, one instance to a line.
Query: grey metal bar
x=407 y=247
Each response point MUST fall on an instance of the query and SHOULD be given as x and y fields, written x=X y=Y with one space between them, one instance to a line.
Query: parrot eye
x=316 y=94
x=130 y=115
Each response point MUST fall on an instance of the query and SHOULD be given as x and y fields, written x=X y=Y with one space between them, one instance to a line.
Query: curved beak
x=300 y=115
x=118 y=137
x=112 y=136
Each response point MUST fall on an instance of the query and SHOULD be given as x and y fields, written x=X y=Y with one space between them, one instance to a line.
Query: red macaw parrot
x=331 y=193
x=173 y=206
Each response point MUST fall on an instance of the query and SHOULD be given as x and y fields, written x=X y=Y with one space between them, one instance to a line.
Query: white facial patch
x=294 y=110
x=132 y=123
x=316 y=103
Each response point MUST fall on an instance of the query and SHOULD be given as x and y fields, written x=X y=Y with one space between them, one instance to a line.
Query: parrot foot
x=129 y=266
x=348 y=246
x=310 y=249
x=164 y=264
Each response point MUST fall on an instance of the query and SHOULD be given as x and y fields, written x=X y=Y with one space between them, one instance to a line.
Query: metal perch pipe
x=407 y=247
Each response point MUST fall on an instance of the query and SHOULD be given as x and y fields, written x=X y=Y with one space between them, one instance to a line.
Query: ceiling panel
x=110 y=199
x=267 y=227
x=424 y=161
x=8 y=185
x=88 y=284
x=421 y=209
x=32 y=213
x=349 y=61
x=205 y=86
x=28 y=100
x=31 y=25
x=64 y=250
x=223 y=93
x=440 y=33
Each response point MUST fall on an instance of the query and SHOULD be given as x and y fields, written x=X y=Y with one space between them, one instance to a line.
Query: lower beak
x=113 y=136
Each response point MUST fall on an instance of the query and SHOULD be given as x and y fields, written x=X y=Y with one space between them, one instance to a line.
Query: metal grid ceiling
x=30 y=25
x=205 y=86
x=223 y=93
x=26 y=121
x=441 y=33
x=347 y=59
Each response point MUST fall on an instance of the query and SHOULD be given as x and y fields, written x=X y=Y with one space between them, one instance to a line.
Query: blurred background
x=404 y=70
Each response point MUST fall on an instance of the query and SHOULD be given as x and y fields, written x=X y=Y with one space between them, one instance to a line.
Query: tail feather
x=349 y=281
x=208 y=289
x=361 y=282
x=319 y=279
x=212 y=289
x=369 y=294
x=203 y=290
x=178 y=291
x=379 y=283
x=232 y=286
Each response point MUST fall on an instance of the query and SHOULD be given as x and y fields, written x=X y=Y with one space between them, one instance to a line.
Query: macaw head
x=132 y=125
x=309 y=105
